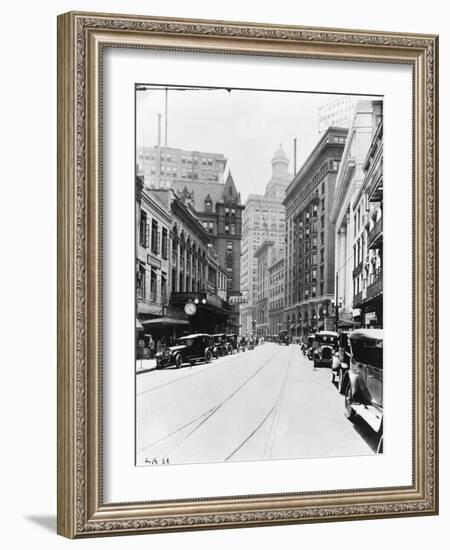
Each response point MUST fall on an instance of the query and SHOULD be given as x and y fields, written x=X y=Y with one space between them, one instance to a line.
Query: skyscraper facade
x=263 y=219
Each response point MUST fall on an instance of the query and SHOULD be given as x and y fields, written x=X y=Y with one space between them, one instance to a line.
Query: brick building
x=219 y=209
x=309 y=263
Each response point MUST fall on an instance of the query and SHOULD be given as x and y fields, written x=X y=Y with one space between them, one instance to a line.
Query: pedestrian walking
x=151 y=346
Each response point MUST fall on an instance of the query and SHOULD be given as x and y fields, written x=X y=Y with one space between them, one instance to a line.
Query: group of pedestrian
x=155 y=345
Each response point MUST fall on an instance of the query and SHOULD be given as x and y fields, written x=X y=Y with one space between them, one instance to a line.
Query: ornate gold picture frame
x=82 y=38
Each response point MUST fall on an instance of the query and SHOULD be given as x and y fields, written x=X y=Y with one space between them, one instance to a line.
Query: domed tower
x=280 y=162
x=281 y=177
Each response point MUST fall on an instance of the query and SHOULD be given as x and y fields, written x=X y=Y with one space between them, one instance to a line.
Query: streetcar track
x=266 y=417
x=211 y=368
x=251 y=434
x=272 y=433
x=206 y=416
x=181 y=428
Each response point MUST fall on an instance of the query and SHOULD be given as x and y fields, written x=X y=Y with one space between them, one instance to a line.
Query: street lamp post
x=336 y=304
x=325 y=316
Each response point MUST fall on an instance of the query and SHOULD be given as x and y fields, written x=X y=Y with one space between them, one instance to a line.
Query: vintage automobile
x=363 y=382
x=232 y=343
x=309 y=346
x=323 y=348
x=341 y=362
x=187 y=349
x=219 y=345
x=283 y=338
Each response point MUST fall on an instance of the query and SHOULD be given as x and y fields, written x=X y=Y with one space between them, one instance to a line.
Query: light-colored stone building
x=349 y=212
x=368 y=232
x=153 y=229
x=276 y=290
x=160 y=166
x=263 y=219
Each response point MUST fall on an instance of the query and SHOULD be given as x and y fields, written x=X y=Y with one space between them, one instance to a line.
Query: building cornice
x=155 y=205
x=180 y=209
x=323 y=144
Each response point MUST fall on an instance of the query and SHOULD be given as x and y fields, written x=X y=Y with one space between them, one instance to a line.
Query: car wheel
x=208 y=356
x=348 y=411
x=178 y=361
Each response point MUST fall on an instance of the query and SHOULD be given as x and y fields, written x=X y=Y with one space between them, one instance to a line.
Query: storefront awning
x=299 y=325
x=346 y=323
x=165 y=321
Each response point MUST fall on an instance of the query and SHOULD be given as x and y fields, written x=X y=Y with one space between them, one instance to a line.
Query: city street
x=267 y=403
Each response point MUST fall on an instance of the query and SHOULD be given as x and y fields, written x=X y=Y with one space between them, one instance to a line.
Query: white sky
x=246 y=126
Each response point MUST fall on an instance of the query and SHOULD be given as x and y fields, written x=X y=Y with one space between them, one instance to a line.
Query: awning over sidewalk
x=165 y=321
x=344 y=323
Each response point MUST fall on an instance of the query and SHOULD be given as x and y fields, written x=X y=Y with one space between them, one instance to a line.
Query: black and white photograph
x=259 y=275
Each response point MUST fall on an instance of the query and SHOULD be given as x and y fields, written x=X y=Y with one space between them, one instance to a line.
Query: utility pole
x=165 y=127
x=336 y=322
x=158 y=158
x=295 y=157
x=165 y=118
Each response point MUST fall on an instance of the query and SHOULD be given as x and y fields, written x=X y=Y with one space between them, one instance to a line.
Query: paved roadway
x=268 y=403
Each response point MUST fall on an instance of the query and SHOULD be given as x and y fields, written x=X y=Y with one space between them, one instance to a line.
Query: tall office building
x=309 y=266
x=263 y=219
x=160 y=166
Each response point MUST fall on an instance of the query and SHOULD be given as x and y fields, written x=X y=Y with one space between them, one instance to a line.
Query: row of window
x=276 y=290
x=275 y=304
x=276 y=277
x=210 y=227
x=310 y=292
x=368 y=276
x=151 y=237
x=147 y=285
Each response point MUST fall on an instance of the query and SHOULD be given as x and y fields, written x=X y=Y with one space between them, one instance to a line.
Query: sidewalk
x=145 y=365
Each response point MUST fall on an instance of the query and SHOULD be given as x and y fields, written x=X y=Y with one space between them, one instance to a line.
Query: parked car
x=219 y=344
x=250 y=343
x=232 y=343
x=309 y=346
x=363 y=383
x=341 y=362
x=243 y=343
x=283 y=338
x=323 y=348
x=187 y=349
